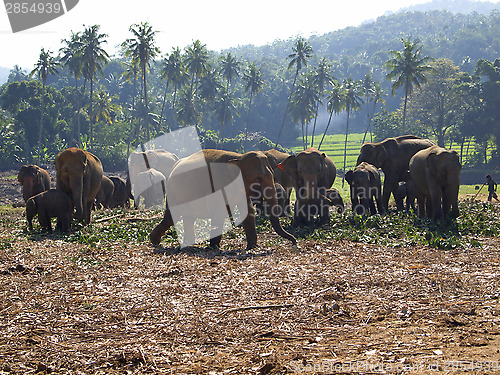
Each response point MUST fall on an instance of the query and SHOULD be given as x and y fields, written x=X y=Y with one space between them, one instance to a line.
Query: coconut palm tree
x=303 y=104
x=253 y=83
x=373 y=92
x=72 y=60
x=322 y=79
x=230 y=70
x=408 y=68
x=94 y=58
x=335 y=104
x=176 y=74
x=301 y=52
x=196 y=62
x=45 y=66
x=130 y=75
x=353 y=100
x=141 y=48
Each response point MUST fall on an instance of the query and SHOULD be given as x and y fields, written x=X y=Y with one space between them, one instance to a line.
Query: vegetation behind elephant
x=121 y=195
x=159 y=160
x=49 y=204
x=105 y=194
x=257 y=179
x=392 y=155
x=79 y=174
x=34 y=180
x=435 y=172
x=312 y=172
x=365 y=188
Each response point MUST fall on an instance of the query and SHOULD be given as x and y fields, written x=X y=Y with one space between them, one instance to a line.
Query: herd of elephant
x=413 y=168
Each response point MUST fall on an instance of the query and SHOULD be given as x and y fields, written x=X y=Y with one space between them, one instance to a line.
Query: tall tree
x=253 y=83
x=408 y=68
x=322 y=79
x=141 y=48
x=45 y=66
x=301 y=52
x=72 y=60
x=335 y=104
x=230 y=69
x=353 y=100
x=196 y=61
x=94 y=58
x=373 y=92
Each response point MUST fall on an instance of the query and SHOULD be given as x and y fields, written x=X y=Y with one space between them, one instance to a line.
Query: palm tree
x=336 y=104
x=224 y=108
x=322 y=77
x=303 y=104
x=253 y=83
x=373 y=93
x=196 y=62
x=353 y=101
x=301 y=52
x=45 y=66
x=230 y=69
x=104 y=110
x=73 y=61
x=141 y=48
x=94 y=57
x=408 y=68
x=130 y=75
x=187 y=112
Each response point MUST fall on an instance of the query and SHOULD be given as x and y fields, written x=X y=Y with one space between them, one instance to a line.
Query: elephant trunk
x=27 y=188
x=76 y=185
x=270 y=196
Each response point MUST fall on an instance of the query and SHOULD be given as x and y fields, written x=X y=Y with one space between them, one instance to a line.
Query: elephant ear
x=431 y=163
x=348 y=177
x=20 y=175
x=289 y=166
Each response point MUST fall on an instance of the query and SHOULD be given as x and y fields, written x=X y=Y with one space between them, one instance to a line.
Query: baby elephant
x=365 y=188
x=49 y=204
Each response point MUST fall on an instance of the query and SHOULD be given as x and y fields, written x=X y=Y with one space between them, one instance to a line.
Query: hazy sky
x=217 y=23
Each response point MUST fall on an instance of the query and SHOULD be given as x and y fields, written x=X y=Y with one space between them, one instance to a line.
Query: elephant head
x=365 y=186
x=33 y=179
x=310 y=170
x=79 y=174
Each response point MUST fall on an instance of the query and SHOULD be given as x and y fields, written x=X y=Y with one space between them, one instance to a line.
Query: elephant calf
x=34 y=180
x=105 y=194
x=365 y=188
x=435 y=173
x=49 y=204
x=121 y=193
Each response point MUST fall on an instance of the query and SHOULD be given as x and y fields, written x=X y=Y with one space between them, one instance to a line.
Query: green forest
x=435 y=74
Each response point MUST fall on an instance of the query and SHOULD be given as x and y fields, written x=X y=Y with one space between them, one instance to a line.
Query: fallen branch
x=258 y=307
x=108 y=218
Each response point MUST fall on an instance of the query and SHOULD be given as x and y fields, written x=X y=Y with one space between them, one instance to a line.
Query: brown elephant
x=121 y=194
x=392 y=155
x=79 y=174
x=312 y=172
x=405 y=190
x=275 y=157
x=105 y=194
x=184 y=185
x=435 y=172
x=34 y=180
x=49 y=204
x=365 y=188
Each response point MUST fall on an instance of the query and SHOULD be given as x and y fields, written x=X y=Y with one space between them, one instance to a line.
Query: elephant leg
x=373 y=210
x=421 y=201
x=216 y=234
x=249 y=228
x=158 y=231
x=435 y=202
x=44 y=220
x=324 y=209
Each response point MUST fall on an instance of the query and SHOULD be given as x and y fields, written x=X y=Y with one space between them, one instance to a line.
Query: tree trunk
x=345 y=144
x=41 y=123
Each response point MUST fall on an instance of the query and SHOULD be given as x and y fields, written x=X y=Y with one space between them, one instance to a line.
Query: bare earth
x=324 y=308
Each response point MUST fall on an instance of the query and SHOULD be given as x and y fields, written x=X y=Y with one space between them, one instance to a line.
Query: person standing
x=492 y=188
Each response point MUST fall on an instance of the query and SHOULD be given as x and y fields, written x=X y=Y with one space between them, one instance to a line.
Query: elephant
x=151 y=185
x=121 y=195
x=79 y=174
x=105 y=194
x=34 y=180
x=48 y=204
x=312 y=172
x=275 y=157
x=365 y=188
x=262 y=207
x=435 y=172
x=392 y=155
x=335 y=199
x=160 y=160
x=305 y=212
x=184 y=184
x=406 y=190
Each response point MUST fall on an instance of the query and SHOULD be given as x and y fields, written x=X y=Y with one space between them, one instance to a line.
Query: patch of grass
x=398 y=229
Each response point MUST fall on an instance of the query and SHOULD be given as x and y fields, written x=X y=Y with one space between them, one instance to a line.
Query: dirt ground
x=326 y=307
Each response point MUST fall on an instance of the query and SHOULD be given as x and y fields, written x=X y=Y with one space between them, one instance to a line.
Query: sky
x=218 y=24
